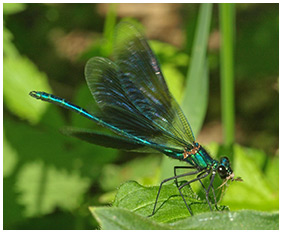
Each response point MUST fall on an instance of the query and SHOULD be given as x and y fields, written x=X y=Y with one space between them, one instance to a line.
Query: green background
x=50 y=180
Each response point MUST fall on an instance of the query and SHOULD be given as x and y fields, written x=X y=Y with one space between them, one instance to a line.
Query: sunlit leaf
x=134 y=203
x=9 y=48
x=12 y=8
x=20 y=76
x=170 y=207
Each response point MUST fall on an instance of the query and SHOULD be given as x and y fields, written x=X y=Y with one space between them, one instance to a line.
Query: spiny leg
x=181 y=167
x=208 y=189
x=206 y=193
x=215 y=201
x=199 y=177
x=166 y=180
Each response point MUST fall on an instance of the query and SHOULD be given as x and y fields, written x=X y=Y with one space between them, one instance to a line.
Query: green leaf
x=134 y=203
x=20 y=76
x=12 y=8
x=170 y=207
x=38 y=186
x=171 y=59
x=10 y=157
x=255 y=191
x=175 y=84
x=142 y=169
x=9 y=48
x=48 y=174
x=169 y=54
x=122 y=219
x=272 y=172
x=229 y=220
x=194 y=104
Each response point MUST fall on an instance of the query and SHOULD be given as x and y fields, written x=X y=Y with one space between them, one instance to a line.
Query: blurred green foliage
x=50 y=180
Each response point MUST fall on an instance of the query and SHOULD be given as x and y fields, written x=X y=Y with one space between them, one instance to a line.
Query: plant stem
x=227 y=28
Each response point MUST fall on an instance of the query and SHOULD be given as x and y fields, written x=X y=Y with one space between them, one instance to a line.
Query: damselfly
x=135 y=103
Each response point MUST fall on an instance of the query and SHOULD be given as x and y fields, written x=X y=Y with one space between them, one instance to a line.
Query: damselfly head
x=224 y=170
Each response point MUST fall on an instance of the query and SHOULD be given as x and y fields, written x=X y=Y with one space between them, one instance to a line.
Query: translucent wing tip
x=96 y=66
x=129 y=23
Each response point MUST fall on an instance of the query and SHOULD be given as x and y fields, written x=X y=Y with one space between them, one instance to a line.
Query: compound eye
x=222 y=171
x=224 y=159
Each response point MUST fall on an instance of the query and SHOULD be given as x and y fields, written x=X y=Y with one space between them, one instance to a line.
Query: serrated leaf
x=20 y=76
x=49 y=175
x=38 y=186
